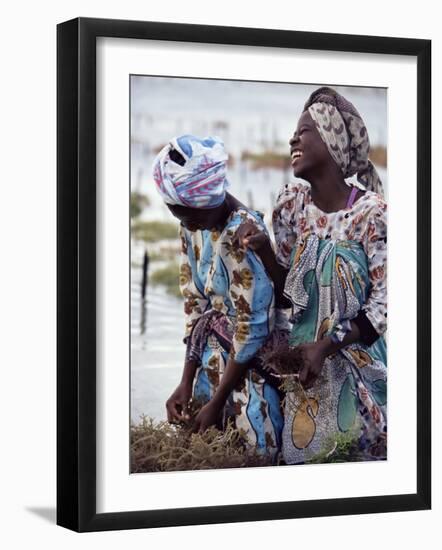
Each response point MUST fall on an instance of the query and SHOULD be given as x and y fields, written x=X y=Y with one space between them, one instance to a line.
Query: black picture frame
x=76 y=273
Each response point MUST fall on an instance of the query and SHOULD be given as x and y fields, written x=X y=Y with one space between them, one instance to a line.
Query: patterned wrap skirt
x=255 y=403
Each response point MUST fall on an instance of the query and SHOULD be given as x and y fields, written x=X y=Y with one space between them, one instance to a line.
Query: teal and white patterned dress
x=337 y=273
x=227 y=288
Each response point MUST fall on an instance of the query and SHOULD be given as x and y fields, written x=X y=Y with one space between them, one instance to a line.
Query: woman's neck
x=329 y=191
x=229 y=205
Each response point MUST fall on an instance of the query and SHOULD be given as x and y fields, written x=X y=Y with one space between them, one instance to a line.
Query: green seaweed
x=339 y=447
x=138 y=202
x=151 y=231
x=168 y=276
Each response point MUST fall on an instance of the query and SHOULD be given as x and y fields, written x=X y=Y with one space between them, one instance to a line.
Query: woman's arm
x=250 y=236
x=372 y=317
x=211 y=411
x=374 y=311
x=276 y=271
x=288 y=208
x=176 y=405
x=315 y=353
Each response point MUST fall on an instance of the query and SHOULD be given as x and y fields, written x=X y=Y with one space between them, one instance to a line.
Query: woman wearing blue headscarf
x=228 y=297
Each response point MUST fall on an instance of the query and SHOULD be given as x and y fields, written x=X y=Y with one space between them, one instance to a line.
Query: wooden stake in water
x=145 y=274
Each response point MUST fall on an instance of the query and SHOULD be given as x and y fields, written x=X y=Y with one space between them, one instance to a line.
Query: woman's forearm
x=276 y=272
x=189 y=371
x=330 y=346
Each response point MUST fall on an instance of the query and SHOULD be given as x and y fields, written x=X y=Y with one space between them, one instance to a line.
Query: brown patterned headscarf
x=343 y=131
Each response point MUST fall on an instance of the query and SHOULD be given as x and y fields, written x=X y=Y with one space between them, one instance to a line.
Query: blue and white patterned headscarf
x=201 y=182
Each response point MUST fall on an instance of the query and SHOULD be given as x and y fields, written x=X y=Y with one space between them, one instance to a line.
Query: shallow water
x=157 y=354
x=257 y=189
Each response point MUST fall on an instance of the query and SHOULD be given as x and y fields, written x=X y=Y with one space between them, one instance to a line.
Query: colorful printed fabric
x=343 y=131
x=254 y=405
x=296 y=216
x=338 y=269
x=328 y=282
x=218 y=276
x=201 y=182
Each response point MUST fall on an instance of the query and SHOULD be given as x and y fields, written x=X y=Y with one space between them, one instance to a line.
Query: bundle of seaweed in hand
x=285 y=362
x=284 y=359
x=164 y=447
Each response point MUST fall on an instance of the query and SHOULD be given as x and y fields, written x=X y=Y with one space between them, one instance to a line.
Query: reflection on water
x=157 y=350
x=143 y=306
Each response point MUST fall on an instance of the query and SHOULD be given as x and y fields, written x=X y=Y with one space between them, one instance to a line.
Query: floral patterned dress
x=337 y=273
x=229 y=309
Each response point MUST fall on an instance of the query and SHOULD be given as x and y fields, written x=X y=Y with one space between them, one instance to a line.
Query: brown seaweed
x=165 y=447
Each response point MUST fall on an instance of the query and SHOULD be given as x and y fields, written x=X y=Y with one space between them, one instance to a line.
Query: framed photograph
x=223 y=242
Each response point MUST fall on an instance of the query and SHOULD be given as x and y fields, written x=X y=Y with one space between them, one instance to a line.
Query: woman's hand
x=177 y=403
x=314 y=354
x=248 y=235
x=208 y=416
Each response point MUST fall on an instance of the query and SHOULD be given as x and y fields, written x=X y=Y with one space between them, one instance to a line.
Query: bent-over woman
x=228 y=297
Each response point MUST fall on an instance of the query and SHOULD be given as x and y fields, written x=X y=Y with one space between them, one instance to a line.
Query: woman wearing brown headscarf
x=330 y=267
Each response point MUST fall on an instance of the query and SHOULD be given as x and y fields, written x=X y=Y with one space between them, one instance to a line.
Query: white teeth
x=296 y=154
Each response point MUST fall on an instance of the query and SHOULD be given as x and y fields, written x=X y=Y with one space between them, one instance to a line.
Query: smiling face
x=308 y=152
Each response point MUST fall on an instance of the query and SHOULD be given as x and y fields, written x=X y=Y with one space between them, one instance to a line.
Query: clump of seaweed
x=339 y=447
x=164 y=447
x=284 y=363
x=284 y=359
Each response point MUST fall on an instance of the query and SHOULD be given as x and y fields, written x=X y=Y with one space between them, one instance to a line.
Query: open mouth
x=296 y=155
